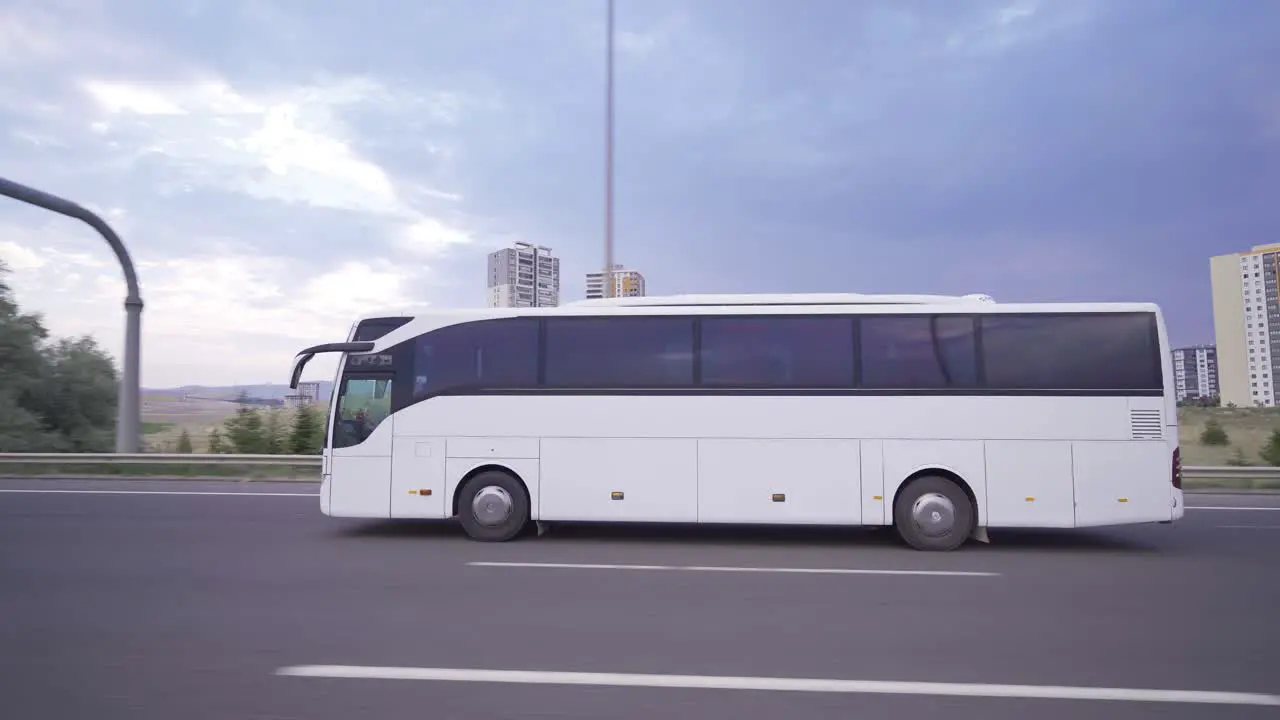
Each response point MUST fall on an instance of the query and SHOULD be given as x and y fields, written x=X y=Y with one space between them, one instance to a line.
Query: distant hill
x=231 y=392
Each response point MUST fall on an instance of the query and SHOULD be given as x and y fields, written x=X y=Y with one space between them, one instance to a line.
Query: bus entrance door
x=360 y=455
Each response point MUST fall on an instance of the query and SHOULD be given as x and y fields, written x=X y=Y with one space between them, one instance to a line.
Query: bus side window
x=363 y=404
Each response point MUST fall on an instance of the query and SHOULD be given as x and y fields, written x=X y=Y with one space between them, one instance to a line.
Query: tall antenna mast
x=608 y=154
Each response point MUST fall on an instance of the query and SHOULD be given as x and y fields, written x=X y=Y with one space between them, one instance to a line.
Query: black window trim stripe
x=980 y=388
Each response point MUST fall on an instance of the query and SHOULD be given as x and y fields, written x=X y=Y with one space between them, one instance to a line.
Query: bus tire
x=493 y=507
x=933 y=513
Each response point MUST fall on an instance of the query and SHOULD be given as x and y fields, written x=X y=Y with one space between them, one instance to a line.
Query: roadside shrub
x=1214 y=434
x=1271 y=451
x=1238 y=459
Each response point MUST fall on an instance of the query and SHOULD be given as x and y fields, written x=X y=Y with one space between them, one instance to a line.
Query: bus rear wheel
x=933 y=513
x=493 y=507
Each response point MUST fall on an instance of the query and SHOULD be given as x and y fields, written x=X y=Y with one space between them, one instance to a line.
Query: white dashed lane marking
x=775 y=684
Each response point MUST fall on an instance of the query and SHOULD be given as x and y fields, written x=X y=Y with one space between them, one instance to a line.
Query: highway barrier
x=307 y=467
x=161 y=465
x=1260 y=477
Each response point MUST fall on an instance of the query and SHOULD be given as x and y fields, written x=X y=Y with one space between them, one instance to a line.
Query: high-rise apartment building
x=626 y=283
x=308 y=393
x=1246 y=324
x=525 y=275
x=1195 y=371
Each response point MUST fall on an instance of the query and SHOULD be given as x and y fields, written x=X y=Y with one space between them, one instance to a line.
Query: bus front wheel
x=493 y=507
x=933 y=513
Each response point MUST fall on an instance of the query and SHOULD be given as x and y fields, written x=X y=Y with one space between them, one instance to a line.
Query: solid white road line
x=812 y=685
x=715 y=568
x=1208 y=507
x=154 y=492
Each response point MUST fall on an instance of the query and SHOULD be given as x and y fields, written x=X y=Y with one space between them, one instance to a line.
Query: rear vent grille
x=1146 y=425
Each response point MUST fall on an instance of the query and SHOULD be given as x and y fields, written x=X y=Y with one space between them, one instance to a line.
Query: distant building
x=1246 y=325
x=308 y=394
x=525 y=275
x=1195 y=371
x=626 y=283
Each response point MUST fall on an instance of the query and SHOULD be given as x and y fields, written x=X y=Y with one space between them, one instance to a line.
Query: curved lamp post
x=129 y=404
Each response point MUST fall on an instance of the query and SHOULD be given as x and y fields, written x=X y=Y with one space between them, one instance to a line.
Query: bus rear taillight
x=1177 y=468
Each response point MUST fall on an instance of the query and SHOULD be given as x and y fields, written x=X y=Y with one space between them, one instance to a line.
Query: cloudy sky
x=279 y=167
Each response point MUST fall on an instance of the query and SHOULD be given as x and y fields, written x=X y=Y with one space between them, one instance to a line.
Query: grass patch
x=172 y=417
x=151 y=427
x=1246 y=429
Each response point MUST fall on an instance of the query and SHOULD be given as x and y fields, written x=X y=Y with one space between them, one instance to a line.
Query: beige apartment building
x=1246 y=324
x=626 y=283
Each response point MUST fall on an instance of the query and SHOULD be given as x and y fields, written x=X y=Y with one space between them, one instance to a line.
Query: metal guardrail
x=1188 y=473
x=1229 y=472
x=307 y=467
x=156 y=459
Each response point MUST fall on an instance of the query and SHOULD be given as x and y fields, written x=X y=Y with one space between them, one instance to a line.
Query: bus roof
x=782 y=299
x=419 y=321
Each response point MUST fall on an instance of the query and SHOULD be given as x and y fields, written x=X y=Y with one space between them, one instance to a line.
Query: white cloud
x=287 y=145
x=18 y=257
x=232 y=309
x=51 y=245
x=217 y=318
x=120 y=97
x=1017 y=12
x=1020 y=22
x=99 y=111
x=40 y=33
x=37 y=139
x=427 y=236
x=634 y=43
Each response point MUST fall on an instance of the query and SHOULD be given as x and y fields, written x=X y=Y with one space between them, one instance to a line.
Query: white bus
x=940 y=416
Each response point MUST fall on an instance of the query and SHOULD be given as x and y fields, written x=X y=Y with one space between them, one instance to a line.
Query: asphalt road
x=143 y=603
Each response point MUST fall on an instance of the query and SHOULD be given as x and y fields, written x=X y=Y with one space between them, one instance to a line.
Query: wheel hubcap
x=491 y=506
x=934 y=514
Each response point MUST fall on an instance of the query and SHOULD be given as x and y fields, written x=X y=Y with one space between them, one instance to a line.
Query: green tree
x=21 y=429
x=246 y=430
x=1271 y=451
x=21 y=336
x=308 y=431
x=184 y=442
x=275 y=432
x=1238 y=459
x=55 y=396
x=1213 y=434
x=79 y=398
x=216 y=445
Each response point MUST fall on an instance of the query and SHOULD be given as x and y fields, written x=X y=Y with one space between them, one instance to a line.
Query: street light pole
x=128 y=405
x=608 y=155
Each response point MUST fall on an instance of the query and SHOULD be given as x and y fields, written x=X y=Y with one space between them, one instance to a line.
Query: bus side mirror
x=379 y=389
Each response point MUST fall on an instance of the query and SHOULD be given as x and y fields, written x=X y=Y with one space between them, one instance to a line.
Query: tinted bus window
x=374 y=328
x=363 y=403
x=1071 y=352
x=911 y=352
x=619 y=352
x=778 y=352
x=481 y=355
